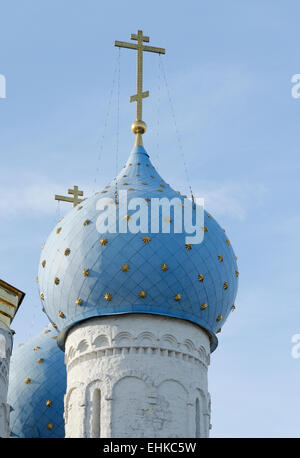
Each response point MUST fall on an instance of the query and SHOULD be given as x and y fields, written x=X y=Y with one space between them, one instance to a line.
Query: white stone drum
x=137 y=375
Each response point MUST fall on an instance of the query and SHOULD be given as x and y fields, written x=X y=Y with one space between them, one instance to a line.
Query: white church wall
x=137 y=376
x=5 y=352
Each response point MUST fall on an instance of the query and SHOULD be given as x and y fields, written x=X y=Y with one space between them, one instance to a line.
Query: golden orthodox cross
x=139 y=126
x=75 y=200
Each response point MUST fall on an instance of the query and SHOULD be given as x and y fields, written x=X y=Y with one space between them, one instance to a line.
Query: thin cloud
x=233 y=199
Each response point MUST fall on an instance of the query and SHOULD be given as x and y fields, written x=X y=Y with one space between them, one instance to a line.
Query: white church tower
x=10 y=301
x=137 y=310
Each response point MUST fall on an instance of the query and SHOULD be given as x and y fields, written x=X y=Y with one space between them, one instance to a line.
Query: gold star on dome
x=177 y=297
x=142 y=294
x=107 y=296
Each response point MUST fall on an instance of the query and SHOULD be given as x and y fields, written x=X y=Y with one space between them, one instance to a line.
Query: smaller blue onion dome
x=37 y=385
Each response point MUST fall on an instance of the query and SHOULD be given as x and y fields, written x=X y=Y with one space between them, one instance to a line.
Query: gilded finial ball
x=138 y=127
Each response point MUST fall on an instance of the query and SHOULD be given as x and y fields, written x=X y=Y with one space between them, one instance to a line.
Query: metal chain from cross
x=139 y=126
x=75 y=199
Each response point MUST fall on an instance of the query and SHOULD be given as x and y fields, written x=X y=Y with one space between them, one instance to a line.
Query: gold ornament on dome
x=74 y=200
x=139 y=126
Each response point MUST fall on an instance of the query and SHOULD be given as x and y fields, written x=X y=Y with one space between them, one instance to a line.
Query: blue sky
x=229 y=66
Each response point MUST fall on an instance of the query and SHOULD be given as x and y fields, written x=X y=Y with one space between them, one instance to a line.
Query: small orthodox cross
x=75 y=200
x=139 y=127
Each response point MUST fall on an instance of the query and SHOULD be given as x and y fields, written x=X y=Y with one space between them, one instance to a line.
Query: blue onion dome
x=37 y=385
x=84 y=273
